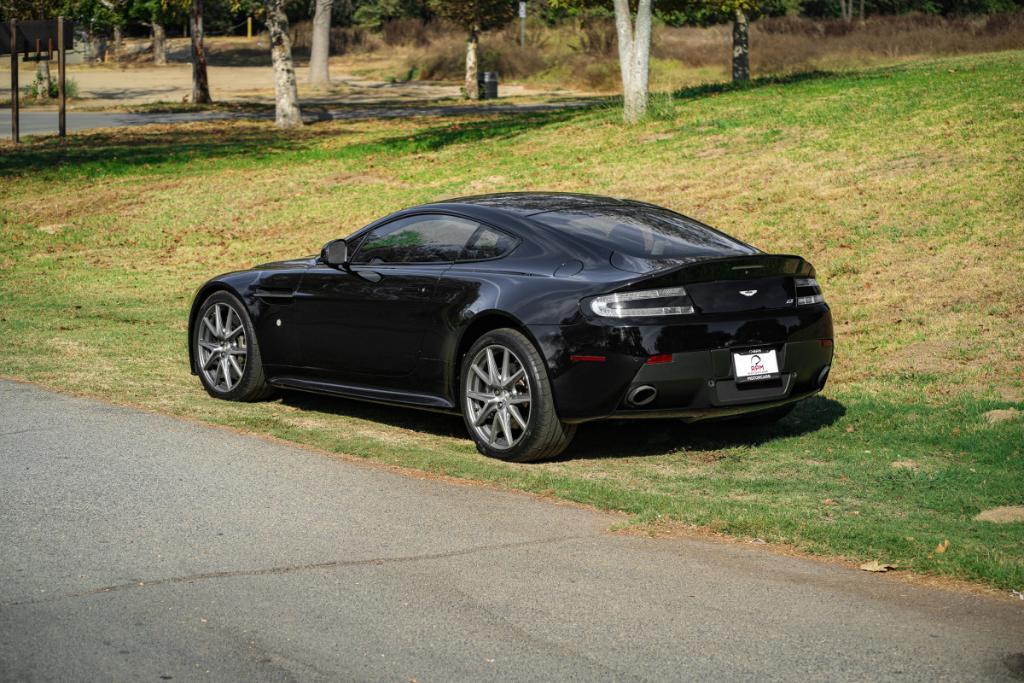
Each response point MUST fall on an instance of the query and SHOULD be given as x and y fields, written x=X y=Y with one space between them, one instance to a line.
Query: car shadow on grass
x=625 y=438
x=437 y=424
x=606 y=438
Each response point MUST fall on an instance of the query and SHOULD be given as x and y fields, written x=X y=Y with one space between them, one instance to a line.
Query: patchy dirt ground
x=238 y=75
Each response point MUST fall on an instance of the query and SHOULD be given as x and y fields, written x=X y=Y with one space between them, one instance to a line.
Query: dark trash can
x=488 y=82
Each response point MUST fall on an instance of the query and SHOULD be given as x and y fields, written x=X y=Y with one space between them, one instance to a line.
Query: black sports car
x=528 y=313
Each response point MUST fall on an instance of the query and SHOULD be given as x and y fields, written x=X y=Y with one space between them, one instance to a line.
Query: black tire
x=545 y=436
x=252 y=385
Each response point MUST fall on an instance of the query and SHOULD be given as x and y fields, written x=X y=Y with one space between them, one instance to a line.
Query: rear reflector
x=827 y=343
x=660 y=358
x=587 y=359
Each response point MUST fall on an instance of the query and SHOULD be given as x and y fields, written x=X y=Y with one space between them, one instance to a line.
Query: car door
x=364 y=323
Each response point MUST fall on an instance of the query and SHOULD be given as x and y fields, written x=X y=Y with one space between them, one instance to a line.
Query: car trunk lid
x=733 y=284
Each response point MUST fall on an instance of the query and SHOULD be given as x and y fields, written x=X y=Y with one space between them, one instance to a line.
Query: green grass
x=902 y=185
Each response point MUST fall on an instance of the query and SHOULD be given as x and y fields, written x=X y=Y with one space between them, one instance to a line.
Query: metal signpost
x=39 y=38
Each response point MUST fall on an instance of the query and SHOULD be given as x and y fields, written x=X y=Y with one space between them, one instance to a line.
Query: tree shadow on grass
x=703 y=90
x=604 y=439
x=125 y=150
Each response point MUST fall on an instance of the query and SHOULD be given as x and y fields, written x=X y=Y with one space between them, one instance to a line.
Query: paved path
x=40 y=122
x=140 y=547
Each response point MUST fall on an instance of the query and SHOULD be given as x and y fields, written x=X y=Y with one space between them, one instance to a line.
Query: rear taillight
x=648 y=303
x=808 y=291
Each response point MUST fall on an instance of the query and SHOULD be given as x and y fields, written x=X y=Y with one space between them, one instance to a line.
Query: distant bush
x=36 y=90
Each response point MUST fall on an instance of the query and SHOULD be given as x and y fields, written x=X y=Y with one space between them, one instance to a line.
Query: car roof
x=529 y=203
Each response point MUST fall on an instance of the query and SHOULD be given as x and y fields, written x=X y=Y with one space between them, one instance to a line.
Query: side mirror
x=335 y=253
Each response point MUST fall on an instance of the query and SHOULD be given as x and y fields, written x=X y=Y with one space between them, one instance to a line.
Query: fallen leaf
x=941 y=548
x=875 y=566
x=849 y=430
x=828 y=501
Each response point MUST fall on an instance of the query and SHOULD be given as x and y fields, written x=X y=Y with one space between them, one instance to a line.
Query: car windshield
x=644 y=232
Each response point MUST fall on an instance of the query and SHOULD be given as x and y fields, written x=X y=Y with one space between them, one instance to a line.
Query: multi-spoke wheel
x=221 y=347
x=507 y=402
x=225 y=350
x=498 y=397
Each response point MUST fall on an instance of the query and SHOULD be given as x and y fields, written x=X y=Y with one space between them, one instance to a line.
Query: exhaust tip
x=641 y=395
x=823 y=376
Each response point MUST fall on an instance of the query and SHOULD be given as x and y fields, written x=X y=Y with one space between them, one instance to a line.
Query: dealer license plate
x=755 y=365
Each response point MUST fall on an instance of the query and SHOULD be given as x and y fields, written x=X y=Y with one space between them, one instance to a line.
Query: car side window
x=417 y=239
x=488 y=243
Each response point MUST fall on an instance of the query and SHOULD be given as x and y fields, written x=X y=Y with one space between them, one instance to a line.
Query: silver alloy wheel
x=498 y=398
x=221 y=347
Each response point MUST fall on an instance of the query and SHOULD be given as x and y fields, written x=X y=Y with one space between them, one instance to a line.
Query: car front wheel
x=226 y=353
x=507 y=401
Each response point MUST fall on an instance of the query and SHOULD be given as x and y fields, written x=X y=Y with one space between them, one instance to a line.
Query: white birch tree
x=634 y=34
x=319 y=53
x=286 y=96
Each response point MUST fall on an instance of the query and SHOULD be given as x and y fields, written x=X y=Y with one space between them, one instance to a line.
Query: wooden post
x=61 y=62
x=248 y=27
x=15 y=137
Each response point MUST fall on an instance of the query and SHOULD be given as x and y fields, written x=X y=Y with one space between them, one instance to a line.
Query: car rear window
x=645 y=232
x=488 y=243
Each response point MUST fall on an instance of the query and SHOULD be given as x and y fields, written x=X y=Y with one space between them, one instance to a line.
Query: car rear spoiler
x=728 y=268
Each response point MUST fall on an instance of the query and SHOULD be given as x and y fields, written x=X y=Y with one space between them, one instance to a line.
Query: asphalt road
x=140 y=547
x=44 y=122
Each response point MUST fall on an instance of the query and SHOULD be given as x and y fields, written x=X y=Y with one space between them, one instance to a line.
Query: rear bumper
x=699 y=382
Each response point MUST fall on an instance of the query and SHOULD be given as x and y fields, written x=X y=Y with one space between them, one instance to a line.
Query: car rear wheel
x=507 y=402
x=227 y=355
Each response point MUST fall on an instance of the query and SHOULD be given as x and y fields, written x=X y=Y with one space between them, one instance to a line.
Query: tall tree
x=319 y=53
x=634 y=36
x=157 y=14
x=287 y=114
x=200 y=82
x=159 y=42
x=633 y=31
x=846 y=10
x=740 y=45
x=475 y=16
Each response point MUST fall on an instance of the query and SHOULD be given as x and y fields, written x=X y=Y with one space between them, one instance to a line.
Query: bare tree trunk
x=472 y=48
x=97 y=48
x=43 y=78
x=286 y=94
x=846 y=10
x=740 y=47
x=118 y=42
x=862 y=11
x=159 y=44
x=634 y=57
x=200 y=83
x=319 y=53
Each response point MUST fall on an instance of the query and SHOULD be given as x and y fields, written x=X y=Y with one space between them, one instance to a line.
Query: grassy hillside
x=902 y=185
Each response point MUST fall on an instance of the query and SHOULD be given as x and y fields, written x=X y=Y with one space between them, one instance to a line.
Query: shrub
x=36 y=90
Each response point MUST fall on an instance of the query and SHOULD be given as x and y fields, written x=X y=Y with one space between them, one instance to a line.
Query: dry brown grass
x=583 y=54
